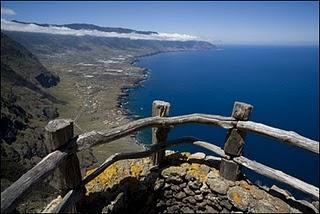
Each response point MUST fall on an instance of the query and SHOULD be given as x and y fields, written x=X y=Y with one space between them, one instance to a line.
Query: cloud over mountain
x=7 y=11
x=62 y=30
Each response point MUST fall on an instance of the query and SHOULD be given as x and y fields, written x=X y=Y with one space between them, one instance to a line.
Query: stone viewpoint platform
x=186 y=183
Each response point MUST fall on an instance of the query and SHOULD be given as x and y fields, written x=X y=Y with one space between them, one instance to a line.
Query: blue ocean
x=281 y=82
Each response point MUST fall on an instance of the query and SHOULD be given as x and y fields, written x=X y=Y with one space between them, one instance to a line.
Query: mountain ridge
x=85 y=26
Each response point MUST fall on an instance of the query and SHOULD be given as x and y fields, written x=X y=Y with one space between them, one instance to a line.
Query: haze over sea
x=281 y=82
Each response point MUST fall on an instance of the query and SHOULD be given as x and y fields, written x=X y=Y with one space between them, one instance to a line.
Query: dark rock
x=175 y=188
x=160 y=203
x=158 y=184
x=202 y=204
x=190 y=178
x=173 y=209
x=210 y=209
x=205 y=189
x=180 y=195
x=169 y=202
x=198 y=197
x=197 y=191
x=218 y=185
x=195 y=185
x=189 y=199
x=186 y=210
x=188 y=191
x=226 y=204
x=183 y=185
x=167 y=194
x=174 y=174
x=261 y=206
x=211 y=197
x=225 y=211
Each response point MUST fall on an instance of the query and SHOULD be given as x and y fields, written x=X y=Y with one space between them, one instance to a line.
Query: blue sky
x=228 y=22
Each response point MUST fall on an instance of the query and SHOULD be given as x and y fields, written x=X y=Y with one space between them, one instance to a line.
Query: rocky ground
x=186 y=183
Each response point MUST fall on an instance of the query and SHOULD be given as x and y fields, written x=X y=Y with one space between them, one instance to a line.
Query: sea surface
x=281 y=82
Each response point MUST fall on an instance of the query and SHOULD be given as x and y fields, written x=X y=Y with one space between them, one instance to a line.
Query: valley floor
x=93 y=88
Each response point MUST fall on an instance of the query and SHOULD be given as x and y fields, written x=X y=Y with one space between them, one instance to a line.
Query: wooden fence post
x=235 y=142
x=68 y=175
x=159 y=108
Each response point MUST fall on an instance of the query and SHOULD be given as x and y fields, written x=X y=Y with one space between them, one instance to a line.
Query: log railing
x=64 y=148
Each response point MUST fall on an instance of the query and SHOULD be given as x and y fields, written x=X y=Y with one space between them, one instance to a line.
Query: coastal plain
x=92 y=87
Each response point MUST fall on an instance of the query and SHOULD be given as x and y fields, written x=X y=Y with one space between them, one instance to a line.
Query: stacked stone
x=179 y=192
x=192 y=184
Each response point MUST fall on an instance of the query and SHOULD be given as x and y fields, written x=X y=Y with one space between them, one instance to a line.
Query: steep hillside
x=25 y=106
x=45 y=43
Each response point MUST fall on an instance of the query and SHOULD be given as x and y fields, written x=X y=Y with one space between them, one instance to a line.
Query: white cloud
x=7 y=11
x=13 y=26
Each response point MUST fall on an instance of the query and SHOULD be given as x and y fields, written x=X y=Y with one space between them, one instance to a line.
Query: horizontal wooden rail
x=285 y=136
x=278 y=175
x=94 y=138
x=14 y=193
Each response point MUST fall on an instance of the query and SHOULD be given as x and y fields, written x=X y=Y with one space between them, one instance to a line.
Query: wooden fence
x=64 y=147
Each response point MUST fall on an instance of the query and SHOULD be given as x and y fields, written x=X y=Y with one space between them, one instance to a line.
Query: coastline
x=123 y=97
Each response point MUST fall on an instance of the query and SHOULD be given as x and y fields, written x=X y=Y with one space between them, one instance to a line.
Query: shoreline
x=123 y=98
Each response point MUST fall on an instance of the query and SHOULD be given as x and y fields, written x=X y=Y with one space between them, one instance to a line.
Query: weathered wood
x=235 y=138
x=93 y=138
x=279 y=176
x=160 y=109
x=241 y=111
x=289 y=137
x=154 y=148
x=235 y=142
x=14 y=193
x=68 y=201
x=68 y=175
x=59 y=132
x=229 y=169
x=211 y=147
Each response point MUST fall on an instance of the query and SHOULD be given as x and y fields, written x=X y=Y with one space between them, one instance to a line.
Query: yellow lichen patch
x=195 y=170
x=236 y=198
x=257 y=193
x=136 y=170
x=245 y=185
x=106 y=179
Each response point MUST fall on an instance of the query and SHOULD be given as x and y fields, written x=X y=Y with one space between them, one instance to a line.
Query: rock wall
x=184 y=184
